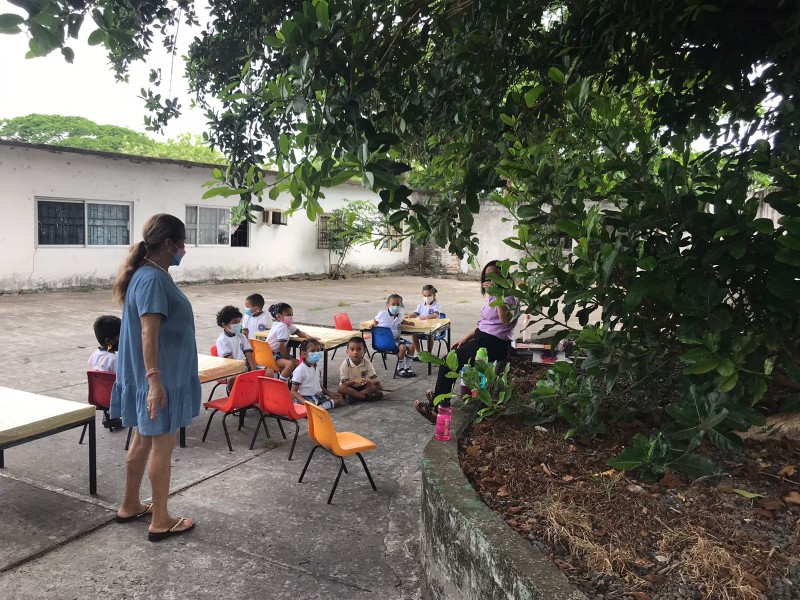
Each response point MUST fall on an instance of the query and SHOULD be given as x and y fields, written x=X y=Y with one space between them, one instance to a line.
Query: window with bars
x=210 y=226
x=392 y=240
x=62 y=222
x=327 y=228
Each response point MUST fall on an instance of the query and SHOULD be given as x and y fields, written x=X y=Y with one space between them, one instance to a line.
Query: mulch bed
x=732 y=536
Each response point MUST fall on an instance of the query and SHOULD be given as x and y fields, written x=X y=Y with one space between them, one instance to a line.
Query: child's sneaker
x=403 y=373
x=374 y=396
x=410 y=373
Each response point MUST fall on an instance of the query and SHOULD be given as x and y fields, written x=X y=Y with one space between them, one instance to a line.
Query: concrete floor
x=259 y=533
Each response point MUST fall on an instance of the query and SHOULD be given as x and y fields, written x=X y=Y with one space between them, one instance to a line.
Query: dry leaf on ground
x=792 y=498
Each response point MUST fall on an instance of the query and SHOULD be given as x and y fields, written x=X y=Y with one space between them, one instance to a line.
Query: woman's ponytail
x=132 y=262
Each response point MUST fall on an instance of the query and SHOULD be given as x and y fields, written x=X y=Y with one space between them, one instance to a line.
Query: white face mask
x=427 y=299
x=235 y=327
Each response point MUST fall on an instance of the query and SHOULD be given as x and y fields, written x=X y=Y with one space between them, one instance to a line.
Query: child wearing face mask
x=231 y=343
x=393 y=319
x=428 y=309
x=256 y=319
x=307 y=380
x=282 y=329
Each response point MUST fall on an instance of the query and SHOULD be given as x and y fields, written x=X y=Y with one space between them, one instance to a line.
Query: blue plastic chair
x=439 y=336
x=383 y=343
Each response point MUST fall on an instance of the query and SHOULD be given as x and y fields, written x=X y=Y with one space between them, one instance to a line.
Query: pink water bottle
x=443 y=423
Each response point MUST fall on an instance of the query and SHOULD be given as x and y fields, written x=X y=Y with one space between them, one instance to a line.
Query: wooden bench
x=25 y=417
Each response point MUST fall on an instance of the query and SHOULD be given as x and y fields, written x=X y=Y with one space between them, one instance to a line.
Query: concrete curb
x=466 y=551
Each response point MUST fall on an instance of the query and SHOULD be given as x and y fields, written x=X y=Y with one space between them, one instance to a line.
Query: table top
x=24 y=414
x=329 y=337
x=210 y=368
x=426 y=326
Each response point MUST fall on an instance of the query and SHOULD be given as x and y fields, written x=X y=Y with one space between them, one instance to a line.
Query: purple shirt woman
x=494 y=332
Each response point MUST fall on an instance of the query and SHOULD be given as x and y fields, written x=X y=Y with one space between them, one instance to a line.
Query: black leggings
x=496 y=348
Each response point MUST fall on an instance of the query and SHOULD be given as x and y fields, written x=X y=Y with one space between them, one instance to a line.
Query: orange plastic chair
x=100 y=384
x=275 y=401
x=339 y=444
x=244 y=395
x=263 y=355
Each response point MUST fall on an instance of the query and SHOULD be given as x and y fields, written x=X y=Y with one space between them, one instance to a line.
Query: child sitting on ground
x=428 y=309
x=106 y=330
x=359 y=381
x=393 y=319
x=278 y=339
x=256 y=319
x=306 y=379
x=231 y=343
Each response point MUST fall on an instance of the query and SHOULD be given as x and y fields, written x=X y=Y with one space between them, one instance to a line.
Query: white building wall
x=492 y=229
x=151 y=187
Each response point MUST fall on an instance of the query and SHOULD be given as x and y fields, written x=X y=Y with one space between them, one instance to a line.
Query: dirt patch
x=732 y=536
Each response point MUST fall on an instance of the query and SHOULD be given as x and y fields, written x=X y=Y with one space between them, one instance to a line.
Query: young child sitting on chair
x=358 y=376
x=393 y=319
x=306 y=379
x=231 y=343
x=106 y=330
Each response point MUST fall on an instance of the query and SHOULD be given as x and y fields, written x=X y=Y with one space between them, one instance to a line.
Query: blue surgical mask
x=314 y=357
x=248 y=312
x=394 y=309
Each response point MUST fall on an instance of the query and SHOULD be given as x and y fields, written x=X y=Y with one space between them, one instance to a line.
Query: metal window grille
x=81 y=223
x=327 y=228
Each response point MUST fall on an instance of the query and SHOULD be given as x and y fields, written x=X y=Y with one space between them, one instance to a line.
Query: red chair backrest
x=214 y=350
x=342 y=321
x=245 y=390
x=100 y=384
x=276 y=399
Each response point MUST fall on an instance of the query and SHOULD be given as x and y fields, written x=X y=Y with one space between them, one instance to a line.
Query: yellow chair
x=262 y=354
x=339 y=444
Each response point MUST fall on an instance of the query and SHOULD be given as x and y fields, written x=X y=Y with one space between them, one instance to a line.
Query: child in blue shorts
x=393 y=319
x=307 y=380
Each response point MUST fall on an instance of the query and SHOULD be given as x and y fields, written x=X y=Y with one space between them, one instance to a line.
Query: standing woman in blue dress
x=157 y=389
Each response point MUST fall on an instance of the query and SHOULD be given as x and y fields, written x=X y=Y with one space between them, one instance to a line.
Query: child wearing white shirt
x=394 y=320
x=106 y=330
x=428 y=309
x=278 y=339
x=256 y=319
x=231 y=343
x=306 y=379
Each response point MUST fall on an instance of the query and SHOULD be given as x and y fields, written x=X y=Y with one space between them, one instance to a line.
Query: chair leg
x=334 y=353
x=394 y=376
x=205 y=433
x=280 y=426
x=242 y=413
x=336 y=482
x=314 y=449
x=128 y=441
x=383 y=356
x=83 y=433
x=294 y=441
x=366 y=470
x=258 y=428
x=225 y=429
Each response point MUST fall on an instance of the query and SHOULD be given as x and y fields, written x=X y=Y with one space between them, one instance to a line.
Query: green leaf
x=508 y=120
x=322 y=13
x=694 y=465
x=703 y=366
x=428 y=357
x=746 y=494
x=452 y=360
x=272 y=41
x=571 y=228
x=283 y=144
x=533 y=94
x=97 y=37
x=726 y=384
x=556 y=75
x=10 y=20
x=788 y=256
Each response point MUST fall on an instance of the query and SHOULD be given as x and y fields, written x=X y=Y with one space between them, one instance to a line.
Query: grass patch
x=343 y=303
x=316 y=308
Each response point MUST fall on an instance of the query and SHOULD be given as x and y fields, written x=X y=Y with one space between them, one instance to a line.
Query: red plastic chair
x=244 y=395
x=275 y=401
x=342 y=321
x=100 y=384
x=221 y=381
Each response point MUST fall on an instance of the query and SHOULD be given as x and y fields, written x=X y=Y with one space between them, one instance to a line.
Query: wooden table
x=329 y=338
x=419 y=326
x=25 y=417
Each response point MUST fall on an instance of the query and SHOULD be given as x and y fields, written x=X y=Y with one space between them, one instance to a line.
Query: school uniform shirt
x=349 y=370
x=257 y=324
x=103 y=360
x=425 y=310
x=308 y=378
x=232 y=346
x=280 y=332
x=385 y=319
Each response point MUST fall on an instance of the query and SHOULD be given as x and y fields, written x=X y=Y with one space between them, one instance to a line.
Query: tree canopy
x=79 y=132
x=634 y=129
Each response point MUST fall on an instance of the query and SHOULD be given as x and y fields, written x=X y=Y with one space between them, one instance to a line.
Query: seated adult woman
x=494 y=332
